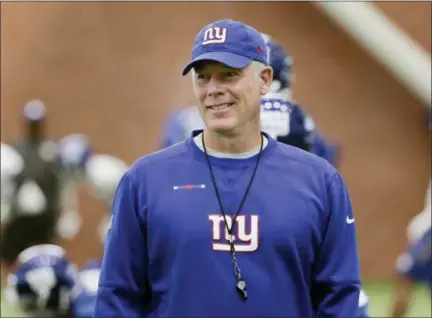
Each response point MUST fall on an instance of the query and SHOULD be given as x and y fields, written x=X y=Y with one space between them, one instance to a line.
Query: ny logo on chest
x=246 y=229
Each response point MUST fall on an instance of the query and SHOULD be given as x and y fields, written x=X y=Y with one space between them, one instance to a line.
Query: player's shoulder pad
x=103 y=173
x=104 y=166
x=11 y=162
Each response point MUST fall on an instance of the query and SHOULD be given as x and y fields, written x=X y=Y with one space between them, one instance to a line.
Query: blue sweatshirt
x=167 y=253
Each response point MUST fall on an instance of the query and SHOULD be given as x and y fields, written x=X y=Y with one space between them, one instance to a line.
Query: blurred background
x=112 y=71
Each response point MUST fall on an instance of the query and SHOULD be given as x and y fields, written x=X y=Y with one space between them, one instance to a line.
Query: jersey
x=167 y=251
x=85 y=291
x=38 y=180
x=32 y=179
x=416 y=263
x=287 y=122
x=42 y=282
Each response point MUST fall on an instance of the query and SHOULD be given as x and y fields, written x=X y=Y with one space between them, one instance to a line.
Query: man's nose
x=215 y=86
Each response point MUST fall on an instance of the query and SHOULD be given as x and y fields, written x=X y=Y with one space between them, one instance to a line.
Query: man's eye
x=201 y=76
x=230 y=74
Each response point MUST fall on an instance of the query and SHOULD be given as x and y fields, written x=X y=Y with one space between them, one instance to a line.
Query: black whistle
x=241 y=288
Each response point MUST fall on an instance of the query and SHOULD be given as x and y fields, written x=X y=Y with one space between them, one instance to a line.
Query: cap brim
x=229 y=59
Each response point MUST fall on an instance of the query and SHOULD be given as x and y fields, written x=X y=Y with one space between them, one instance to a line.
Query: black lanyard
x=241 y=284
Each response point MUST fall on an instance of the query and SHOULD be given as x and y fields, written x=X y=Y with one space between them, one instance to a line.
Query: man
x=412 y=268
x=421 y=223
x=230 y=222
x=38 y=177
x=282 y=86
x=31 y=174
x=415 y=265
x=101 y=174
x=292 y=123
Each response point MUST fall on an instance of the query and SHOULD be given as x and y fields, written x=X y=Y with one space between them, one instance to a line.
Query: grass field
x=381 y=295
x=380 y=299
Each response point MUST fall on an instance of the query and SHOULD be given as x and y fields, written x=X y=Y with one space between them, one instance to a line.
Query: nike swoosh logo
x=349 y=221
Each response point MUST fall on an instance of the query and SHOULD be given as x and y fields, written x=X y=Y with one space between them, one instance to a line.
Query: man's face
x=229 y=98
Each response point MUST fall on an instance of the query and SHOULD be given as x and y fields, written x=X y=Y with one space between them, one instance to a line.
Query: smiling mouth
x=220 y=106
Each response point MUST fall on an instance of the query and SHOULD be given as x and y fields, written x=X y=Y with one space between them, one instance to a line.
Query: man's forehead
x=208 y=66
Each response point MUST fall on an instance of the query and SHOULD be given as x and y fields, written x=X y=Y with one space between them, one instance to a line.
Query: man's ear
x=266 y=79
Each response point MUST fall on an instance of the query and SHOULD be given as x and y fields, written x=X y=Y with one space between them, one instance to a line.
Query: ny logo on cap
x=214 y=35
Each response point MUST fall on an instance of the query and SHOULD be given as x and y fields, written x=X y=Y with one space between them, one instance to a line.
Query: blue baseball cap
x=229 y=42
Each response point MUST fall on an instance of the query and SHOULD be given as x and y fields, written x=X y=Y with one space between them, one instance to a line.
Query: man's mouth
x=220 y=106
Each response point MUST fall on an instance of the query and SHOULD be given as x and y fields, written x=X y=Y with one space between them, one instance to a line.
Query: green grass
x=380 y=296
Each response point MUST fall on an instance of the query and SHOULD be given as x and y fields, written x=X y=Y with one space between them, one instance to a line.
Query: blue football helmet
x=42 y=282
x=281 y=64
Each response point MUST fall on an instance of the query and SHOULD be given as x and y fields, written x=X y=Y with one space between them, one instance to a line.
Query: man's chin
x=224 y=127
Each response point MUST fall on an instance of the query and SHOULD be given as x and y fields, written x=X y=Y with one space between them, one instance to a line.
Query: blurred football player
x=412 y=267
x=180 y=124
x=42 y=281
x=289 y=124
x=31 y=177
x=283 y=80
x=415 y=265
x=101 y=174
x=421 y=223
x=38 y=178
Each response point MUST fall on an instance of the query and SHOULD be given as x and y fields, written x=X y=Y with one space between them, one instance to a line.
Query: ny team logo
x=247 y=233
x=214 y=35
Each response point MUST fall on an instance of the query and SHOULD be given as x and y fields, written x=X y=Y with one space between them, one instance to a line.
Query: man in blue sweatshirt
x=230 y=222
